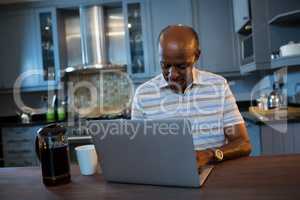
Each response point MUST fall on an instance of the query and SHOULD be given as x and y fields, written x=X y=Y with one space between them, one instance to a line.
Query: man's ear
x=197 y=54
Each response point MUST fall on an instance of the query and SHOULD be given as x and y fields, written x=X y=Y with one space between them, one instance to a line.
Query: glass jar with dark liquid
x=53 y=151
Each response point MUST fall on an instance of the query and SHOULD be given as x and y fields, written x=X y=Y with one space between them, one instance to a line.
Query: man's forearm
x=238 y=145
x=231 y=150
x=236 y=149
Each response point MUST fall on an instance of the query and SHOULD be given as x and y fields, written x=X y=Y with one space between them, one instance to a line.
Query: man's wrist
x=217 y=155
x=211 y=155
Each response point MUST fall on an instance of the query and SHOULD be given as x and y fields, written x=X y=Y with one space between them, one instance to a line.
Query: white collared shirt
x=208 y=103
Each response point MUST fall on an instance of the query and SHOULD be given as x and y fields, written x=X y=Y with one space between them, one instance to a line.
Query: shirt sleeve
x=136 y=108
x=231 y=113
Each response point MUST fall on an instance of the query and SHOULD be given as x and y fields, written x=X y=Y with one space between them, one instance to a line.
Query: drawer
x=26 y=161
x=18 y=144
x=18 y=154
x=18 y=133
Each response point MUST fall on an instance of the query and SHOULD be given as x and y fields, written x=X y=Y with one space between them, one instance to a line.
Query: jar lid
x=51 y=130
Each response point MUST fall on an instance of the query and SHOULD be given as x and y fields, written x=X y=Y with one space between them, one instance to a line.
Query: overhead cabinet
x=253 y=42
x=48 y=54
x=284 y=25
x=25 y=36
x=163 y=14
x=272 y=24
x=18 y=52
x=217 y=39
x=137 y=38
x=241 y=14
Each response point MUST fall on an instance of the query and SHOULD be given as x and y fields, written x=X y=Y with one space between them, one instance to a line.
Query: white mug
x=87 y=159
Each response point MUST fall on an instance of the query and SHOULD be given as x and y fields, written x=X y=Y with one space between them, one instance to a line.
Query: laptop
x=155 y=152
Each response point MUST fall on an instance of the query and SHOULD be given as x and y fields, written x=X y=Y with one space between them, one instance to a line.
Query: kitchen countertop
x=14 y=121
x=20 y=124
x=263 y=121
x=268 y=177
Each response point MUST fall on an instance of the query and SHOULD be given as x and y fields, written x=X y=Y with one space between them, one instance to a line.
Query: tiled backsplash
x=113 y=92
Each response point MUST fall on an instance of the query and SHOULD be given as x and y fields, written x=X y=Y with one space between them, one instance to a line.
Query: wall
x=293 y=79
x=259 y=84
x=241 y=88
x=31 y=99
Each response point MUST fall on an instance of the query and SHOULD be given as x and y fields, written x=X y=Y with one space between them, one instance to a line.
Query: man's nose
x=173 y=73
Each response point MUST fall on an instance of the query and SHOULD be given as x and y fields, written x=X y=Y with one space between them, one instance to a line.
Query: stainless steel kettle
x=274 y=98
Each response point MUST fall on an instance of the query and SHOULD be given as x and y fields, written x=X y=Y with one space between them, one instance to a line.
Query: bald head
x=178 y=39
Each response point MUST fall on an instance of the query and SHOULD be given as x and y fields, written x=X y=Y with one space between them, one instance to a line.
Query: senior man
x=183 y=91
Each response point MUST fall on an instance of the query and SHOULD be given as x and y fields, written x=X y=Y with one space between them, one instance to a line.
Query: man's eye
x=167 y=66
x=181 y=66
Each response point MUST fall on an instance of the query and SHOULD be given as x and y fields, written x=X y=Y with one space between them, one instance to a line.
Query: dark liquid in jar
x=55 y=165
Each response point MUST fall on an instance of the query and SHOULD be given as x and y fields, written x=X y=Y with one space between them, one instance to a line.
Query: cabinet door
x=18 y=50
x=19 y=146
x=281 y=138
x=255 y=138
x=241 y=13
x=294 y=138
x=137 y=36
x=164 y=13
x=277 y=7
x=214 y=24
x=48 y=55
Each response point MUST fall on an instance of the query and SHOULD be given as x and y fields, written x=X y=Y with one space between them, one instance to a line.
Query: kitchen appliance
x=290 y=49
x=275 y=99
x=53 y=152
x=247 y=54
x=92 y=36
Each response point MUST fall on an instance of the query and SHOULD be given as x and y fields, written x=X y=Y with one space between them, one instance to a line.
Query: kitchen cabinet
x=18 y=145
x=275 y=141
x=283 y=27
x=21 y=50
x=48 y=54
x=278 y=7
x=18 y=52
x=137 y=37
x=259 y=38
x=144 y=21
x=241 y=14
x=255 y=138
x=217 y=39
x=274 y=23
x=162 y=14
x=273 y=138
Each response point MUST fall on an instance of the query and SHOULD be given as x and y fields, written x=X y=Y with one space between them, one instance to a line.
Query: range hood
x=92 y=36
x=91 y=39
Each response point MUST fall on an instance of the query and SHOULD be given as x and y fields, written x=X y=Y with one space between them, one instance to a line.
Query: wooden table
x=276 y=177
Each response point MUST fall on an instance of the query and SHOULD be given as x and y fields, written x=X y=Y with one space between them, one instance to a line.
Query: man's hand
x=238 y=145
x=204 y=157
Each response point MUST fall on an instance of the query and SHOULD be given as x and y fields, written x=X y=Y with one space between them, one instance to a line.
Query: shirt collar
x=197 y=79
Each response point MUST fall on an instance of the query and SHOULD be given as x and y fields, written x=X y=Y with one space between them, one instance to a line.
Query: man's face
x=179 y=51
x=177 y=67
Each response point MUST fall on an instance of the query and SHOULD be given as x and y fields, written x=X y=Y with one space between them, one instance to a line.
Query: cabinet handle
x=247 y=125
x=18 y=141
x=245 y=18
x=16 y=152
